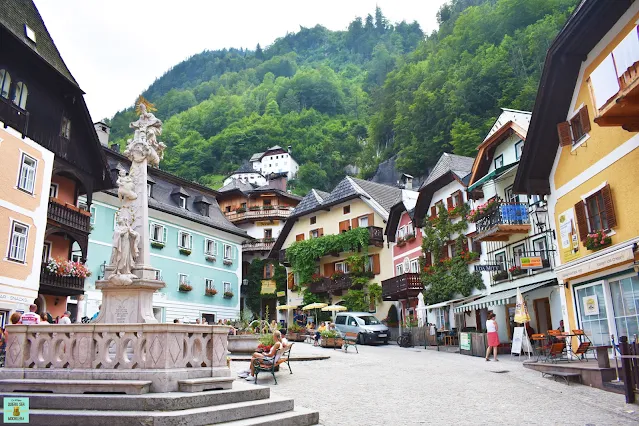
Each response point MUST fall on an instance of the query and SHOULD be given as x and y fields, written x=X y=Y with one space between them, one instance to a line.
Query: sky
x=116 y=49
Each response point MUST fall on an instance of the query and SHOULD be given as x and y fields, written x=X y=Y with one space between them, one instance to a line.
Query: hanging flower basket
x=157 y=244
x=185 y=287
x=210 y=292
x=227 y=262
x=185 y=251
x=67 y=268
x=597 y=240
x=516 y=271
x=209 y=258
x=228 y=294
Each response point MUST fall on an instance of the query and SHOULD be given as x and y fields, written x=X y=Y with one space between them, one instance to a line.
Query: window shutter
x=582 y=223
x=354 y=223
x=433 y=211
x=476 y=246
x=585 y=119
x=299 y=237
x=428 y=260
x=320 y=232
x=190 y=241
x=164 y=235
x=449 y=202
x=609 y=206
x=371 y=219
x=329 y=269
x=290 y=279
x=344 y=225
x=565 y=137
x=376 y=266
x=215 y=247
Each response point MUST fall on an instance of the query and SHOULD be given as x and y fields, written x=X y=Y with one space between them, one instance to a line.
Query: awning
x=499 y=298
x=450 y=302
x=500 y=171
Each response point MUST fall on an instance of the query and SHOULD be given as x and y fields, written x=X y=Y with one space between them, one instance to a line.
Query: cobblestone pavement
x=389 y=385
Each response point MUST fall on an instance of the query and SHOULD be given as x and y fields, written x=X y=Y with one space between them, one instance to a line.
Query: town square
x=356 y=213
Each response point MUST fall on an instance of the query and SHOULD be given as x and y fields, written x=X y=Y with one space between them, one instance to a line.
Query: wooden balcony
x=504 y=220
x=402 y=287
x=328 y=285
x=12 y=115
x=68 y=216
x=60 y=286
x=281 y=257
x=320 y=286
x=265 y=244
x=249 y=215
x=375 y=236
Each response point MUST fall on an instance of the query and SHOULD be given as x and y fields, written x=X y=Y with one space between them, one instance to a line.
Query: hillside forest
x=354 y=97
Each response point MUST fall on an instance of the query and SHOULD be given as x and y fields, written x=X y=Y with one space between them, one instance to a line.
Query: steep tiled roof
x=15 y=14
x=344 y=189
x=385 y=195
x=457 y=164
x=323 y=195
x=256 y=157
x=237 y=184
x=310 y=202
x=245 y=168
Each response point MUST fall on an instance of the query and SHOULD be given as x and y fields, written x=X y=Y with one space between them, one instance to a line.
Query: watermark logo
x=16 y=410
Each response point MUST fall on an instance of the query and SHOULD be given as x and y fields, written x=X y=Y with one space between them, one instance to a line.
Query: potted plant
x=210 y=292
x=409 y=238
x=185 y=251
x=157 y=244
x=228 y=294
x=266 y=342
x=295 y=333
x=331 y=339
x=67 y=268
x=209 y=258
x=597 y=240
x=401 y=242
x=254 y=208
x=268 y=207
x=268 y=240
x=185 y=287
x=516 y=271
x=240 y=210
x=227 y=262
x=500 y=275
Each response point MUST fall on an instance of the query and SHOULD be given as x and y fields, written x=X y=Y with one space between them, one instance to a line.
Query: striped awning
x=499 y=298
x=453 y=301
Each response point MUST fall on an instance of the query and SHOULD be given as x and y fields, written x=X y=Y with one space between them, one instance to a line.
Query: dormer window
x=31 y=35
x=149 y=188
x=182 y=202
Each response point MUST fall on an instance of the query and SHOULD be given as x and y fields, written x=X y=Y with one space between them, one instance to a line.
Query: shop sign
x=591 y=305
x=531 y=262
x=267 y=222
x=464 y=341
x=601 y=262
x=268 y=287
x=281 y=293
x=16 y=410
x=491 y=268
x=569 y=239
x=17 y=299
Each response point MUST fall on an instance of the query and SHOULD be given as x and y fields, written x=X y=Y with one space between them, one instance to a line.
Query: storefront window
x=592 y=314
x=625 y=302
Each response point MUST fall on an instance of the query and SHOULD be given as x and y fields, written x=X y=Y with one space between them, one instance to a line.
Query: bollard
x=626 y=366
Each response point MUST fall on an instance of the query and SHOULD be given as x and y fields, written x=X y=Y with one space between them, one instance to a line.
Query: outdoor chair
x=585 y=344
x=556 y=351
x=268 y=367
x=285 y=358
x=539 y=344
x=350 y=339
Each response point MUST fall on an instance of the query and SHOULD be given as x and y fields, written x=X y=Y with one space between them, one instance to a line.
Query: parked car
x=368 y=328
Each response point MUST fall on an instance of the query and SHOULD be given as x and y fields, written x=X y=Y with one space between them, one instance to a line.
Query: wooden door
x=542 y=315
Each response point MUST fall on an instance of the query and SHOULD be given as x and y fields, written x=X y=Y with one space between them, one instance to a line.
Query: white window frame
x=65 y=127
x=181 y=280
x=55 y=187
x=148 y=189
x=19 y=96
x=92 y=211
x=13 y=255
x=189 y=240
x=158 y=274
x=501 y=156
x=399 y=269
x=208 y=281
x=182 y=202
x=362 y=219
x=227 y=286
x=229 y=248
x=519 y=152
x=410 y=229
x=34 y=169
x=342 y=267
x=47 y=248
x=414 y=265
x=162 y=233
x=206 y=247
x=314 y=233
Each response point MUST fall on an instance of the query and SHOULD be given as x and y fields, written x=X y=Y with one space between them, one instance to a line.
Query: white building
x=246 y=174
x=275 y=160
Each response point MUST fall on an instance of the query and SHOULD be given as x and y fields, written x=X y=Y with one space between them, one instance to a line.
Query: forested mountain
x=355 y=97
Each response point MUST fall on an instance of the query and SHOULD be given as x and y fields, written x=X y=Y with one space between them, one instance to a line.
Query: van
x=368 y=328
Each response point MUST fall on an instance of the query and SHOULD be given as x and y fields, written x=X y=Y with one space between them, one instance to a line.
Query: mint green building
x=196 y=251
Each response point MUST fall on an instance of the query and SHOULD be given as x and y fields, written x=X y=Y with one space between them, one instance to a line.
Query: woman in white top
x=493 y=337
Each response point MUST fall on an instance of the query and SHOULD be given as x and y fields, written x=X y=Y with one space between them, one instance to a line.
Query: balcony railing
x=376 y=235
x=273 y=212
x=402 y=287
x=60 y=286
x=522 y=265
x=329 y=285
x=320 y=286
x=504 y=220
x=265 y=244
x=69 y=215
x=12 y=115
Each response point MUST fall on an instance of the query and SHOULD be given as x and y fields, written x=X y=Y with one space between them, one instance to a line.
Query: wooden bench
x=350 y=339
x=561 y=374
x=281 y=357
x=285 y=358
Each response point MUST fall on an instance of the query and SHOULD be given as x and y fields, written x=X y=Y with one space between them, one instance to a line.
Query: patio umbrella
x=334 y=308
x=522 y=317
x=286 y=308
x=316 y=305
x=421 y=310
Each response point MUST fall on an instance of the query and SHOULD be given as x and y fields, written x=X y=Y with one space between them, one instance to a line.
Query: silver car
x=368 y=328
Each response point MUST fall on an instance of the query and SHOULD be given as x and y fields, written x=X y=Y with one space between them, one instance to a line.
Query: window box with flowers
x=401 y=242
x=185 y=251
x=268 y=207
x=469 y=256
x=185 y=287
x=227 y=262
x=315 y=278
x=500 y=276
x=483 y=210
x=337 y=274
x=409 y=238
x=210 y=292
x=268 y=240
x=240 y=210
x=157 y=244
x=67 y=268
x=516 y=271
x=597 y=240
x=228 y=294
x=254 y=208
x=210 y=258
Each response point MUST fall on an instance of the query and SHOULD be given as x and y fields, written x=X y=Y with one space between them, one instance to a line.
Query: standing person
x=66 y=318
x=95 y=316
x=493 y=337
x=30 y=318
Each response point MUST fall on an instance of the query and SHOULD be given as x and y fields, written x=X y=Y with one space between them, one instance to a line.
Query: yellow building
x=353 y=203
x=581 y=152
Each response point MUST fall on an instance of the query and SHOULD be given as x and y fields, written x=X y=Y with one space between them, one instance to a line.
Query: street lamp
x=245 y=281
x=102 y=270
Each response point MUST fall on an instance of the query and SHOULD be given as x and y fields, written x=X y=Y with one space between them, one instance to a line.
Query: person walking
x=493 y=337
x=66 y=318
x=30 y=318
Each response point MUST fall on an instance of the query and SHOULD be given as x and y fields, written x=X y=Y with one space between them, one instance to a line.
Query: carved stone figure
x=145 y=142
x=125 y=251
x=126 y=187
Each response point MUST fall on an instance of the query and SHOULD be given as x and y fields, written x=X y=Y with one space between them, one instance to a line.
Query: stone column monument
x=127 y=291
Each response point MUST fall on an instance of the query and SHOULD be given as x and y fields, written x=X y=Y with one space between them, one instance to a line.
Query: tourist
x=273 y=326
x=268 y=358
x=176 y=321
x=29 y=318
x=95 y=316
x=318 y=333
x=197 y=321
x=43 y=317
x=65 y=318
x=204 y=321
x=285 y=341
x=15 y=318
x=299 y=318
x=493 y=337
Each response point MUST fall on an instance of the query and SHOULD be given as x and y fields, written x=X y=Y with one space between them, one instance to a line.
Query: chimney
x=115 y=147
x=103 y=131
x=290 y=148
x=278 y=181
x=406 y=181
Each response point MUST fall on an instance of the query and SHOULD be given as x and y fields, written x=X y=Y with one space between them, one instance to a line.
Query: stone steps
x=205 y=384
x=298 y=417
x=128 y=387
x=187 y=417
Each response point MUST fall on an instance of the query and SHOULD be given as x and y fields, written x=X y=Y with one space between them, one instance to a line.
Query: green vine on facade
x=446 y=278
x=254 y=294
x=303 y=255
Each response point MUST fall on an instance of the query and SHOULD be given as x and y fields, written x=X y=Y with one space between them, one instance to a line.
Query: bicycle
x=405 y=340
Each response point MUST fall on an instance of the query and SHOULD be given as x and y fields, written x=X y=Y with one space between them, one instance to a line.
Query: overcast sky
x=115 y=51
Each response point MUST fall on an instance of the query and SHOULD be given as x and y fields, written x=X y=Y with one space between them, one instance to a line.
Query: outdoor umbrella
x=522 y=317
x=334 y=308
x=316 y=305
x=286 y=308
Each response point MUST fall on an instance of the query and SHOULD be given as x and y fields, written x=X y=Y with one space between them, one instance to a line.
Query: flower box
x=228 y=294
x=210 y=292
x=254 y=208
x=501 y=275
x=409 y=238
x=516 y=271
x=597 y=240
x=185 y=287
x=209 y=258
x=268 y=208
x=240 y=210
x=67 y=268
x=268 y=240
x=401 y=243
x=227 y=262
x=157 y=244
x=331 y=342
x=295 y=336
x=185 y=251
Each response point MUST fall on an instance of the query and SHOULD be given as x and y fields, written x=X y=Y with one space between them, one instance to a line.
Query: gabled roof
x=587 y=25
x=237 y=185
x=256 y=157
x=14 y=15
x=406 y=204
x=181 y=191
x=245 y=168
x=310 y=202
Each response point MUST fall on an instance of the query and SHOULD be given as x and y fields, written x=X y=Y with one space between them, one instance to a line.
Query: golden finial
x=149 y=106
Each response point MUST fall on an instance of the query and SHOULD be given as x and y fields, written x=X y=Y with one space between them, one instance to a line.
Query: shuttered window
x=572 y=131
x=596 y=213
x=344 y=226
x=433 y=211
x=299 y=237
